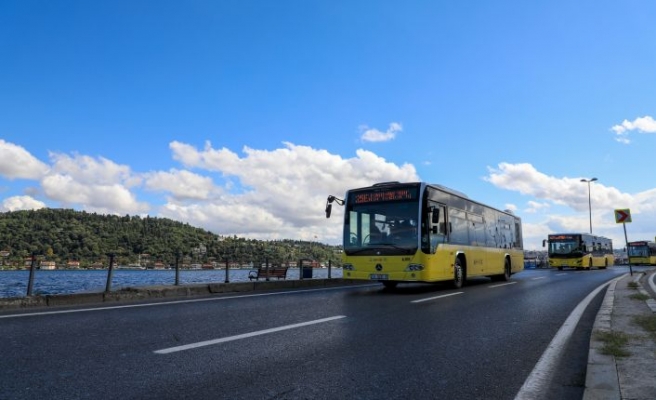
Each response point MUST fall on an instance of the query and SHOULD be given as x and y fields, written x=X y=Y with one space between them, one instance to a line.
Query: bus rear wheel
x=458 y=274
x=506 y=272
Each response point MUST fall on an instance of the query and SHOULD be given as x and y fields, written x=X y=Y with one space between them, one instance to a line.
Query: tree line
x=63 y=235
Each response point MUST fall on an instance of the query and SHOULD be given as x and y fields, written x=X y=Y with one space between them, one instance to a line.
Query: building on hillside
x=47 y=265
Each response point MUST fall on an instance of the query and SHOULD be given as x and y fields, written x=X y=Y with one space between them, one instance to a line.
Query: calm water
x=14 y=283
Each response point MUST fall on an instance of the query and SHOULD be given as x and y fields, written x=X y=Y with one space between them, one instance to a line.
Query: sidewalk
x=631 y=376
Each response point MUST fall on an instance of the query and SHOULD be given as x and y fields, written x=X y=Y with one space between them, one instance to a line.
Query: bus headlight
x=414 y=267
x=348 y=267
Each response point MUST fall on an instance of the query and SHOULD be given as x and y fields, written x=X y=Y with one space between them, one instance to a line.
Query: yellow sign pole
x=624 y=216
x=627 y=248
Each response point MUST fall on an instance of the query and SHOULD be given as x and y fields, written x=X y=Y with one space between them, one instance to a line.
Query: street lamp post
x=589 y=201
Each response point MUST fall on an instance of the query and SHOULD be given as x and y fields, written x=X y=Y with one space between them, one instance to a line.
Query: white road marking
x=436 y=297
x=539 y=379
x=244 y=336
x=538 y=278
x=502 y=284
x=651 y=282
x=564 y=273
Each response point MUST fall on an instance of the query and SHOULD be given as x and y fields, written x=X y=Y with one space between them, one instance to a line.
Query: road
x=355 y=342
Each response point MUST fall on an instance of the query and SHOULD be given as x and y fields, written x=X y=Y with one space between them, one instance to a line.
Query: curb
x=161 y=292
x=602 y=380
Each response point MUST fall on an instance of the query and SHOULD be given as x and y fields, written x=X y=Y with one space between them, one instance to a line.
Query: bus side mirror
x=544 y=243
x=329 y=204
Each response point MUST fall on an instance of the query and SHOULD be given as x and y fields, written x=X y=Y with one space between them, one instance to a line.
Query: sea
x=47 y=282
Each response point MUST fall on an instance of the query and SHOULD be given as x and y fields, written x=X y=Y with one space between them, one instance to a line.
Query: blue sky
x=242 y=116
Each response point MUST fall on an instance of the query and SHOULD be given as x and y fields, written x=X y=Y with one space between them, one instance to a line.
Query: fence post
x=330 y=262
x=267 y=268
x=30 y=282
x=110 y=272
x=177 y=268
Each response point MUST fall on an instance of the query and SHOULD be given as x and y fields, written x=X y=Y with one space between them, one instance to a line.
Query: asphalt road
x=356 y=342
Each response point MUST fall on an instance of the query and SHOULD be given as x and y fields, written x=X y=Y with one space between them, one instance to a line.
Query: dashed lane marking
x=191 y=346
x=436 y=297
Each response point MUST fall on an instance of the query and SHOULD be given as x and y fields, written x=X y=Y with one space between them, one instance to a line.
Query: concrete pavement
x=631 y=376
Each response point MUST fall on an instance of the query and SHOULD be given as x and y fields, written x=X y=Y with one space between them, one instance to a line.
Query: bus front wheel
x=458 y=274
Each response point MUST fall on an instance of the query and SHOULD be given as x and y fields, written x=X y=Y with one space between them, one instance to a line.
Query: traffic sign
x=622 y=216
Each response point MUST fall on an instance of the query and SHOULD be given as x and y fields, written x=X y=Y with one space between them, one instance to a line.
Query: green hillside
x=63 y=235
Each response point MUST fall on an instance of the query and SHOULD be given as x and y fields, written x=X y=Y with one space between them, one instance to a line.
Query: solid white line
x=436 y=297
x=564 y=273
x=540 y=377
x=244 y=336
x=502 y=284
x=539 y=277
x=163 y=303
x=651 y=282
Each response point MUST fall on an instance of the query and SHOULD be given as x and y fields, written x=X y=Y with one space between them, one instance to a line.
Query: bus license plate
x=379 y=277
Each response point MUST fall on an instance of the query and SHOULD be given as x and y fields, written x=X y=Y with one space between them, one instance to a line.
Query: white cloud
x=374 y=135
x=183 y=185
x=17 y=163
x=93 y=184
x=534 y=206
x=101 y=198
x=573 y=212
x=16 y=203
x=570 y=192
x=644 y=124
x=89 y=170
x=283 y=191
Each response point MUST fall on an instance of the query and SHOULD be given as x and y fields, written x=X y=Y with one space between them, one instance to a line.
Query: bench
x=274 y=272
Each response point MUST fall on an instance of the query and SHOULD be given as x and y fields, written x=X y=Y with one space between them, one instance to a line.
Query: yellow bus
x=579 y=250
x=642 y=252
x=418 y=232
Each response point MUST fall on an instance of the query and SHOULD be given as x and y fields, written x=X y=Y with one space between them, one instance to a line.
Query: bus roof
x=442 y=188
x=641 y=243
x=563 y=236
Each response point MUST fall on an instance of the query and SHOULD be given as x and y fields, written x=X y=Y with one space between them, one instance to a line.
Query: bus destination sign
x=379 y=195
x=561 y=237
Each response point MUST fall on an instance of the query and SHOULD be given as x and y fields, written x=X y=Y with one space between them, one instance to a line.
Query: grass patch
x=632 y=285
x=614 y=343
x=648 y=323
x=640 y=296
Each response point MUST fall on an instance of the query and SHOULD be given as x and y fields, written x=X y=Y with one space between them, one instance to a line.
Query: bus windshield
x=640 y=250
x=382 y=228
x=565 y=247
